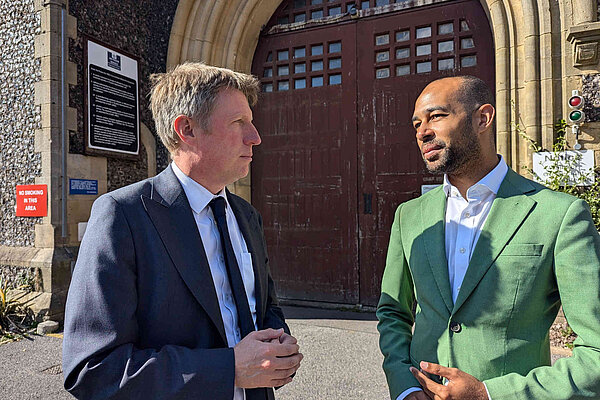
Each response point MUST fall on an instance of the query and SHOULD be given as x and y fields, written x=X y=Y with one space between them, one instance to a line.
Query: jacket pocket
x=523 y=249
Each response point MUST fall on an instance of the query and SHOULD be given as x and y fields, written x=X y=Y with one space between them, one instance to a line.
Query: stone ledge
x=24 y=256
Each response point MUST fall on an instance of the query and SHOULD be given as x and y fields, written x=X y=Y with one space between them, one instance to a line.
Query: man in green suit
x=489 y=257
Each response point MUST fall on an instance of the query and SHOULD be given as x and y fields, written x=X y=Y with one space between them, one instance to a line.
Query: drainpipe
x=63 y=122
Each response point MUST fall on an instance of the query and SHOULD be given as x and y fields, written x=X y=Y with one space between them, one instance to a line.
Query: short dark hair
x=473 y=93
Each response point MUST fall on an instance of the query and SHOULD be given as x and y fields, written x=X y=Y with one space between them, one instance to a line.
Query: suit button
x=455 y=327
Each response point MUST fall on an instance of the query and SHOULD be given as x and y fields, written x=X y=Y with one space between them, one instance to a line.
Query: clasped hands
x=461 y=386
x=266 y=358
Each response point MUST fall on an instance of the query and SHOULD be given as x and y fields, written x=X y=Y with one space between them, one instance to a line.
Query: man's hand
x=266 y=358
x=460 y=386
x=420 y=395
x=286 y=339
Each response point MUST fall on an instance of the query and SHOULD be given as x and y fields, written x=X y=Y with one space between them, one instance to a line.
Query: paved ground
x=342 y=360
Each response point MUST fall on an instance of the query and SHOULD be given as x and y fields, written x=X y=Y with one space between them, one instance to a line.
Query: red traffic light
x=576 y=101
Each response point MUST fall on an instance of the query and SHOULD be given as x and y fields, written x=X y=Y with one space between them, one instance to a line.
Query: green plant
x=15 y=316
x=564 y=174
x=570 y=335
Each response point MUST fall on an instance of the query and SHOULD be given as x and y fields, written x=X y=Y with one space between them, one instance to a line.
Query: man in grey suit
x=171 y=296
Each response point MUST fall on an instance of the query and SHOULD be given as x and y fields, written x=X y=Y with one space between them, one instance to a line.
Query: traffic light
x=576 y=102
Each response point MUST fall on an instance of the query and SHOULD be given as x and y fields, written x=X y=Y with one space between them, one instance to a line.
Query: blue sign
x=83 y=186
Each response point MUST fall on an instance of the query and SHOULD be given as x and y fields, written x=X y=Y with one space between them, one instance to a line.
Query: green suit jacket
x=538 y=249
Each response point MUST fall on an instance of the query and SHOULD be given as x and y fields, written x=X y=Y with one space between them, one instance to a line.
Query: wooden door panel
x=304 y=173
x=392 y=51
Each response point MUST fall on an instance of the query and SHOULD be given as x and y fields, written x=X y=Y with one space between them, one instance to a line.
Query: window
x=423 y=67
x=382 y=73
x=316 y=66
x=300 y=52
x=382 y=56
x=445 y=29
x=445 y=64
x=423 y=32
x=300 y=83
x=403 y=53
x=402 y=36
x=283 y=70
x=267 y=87
x=445 y=46
x=382 y=39
x=468 y=61
x=300 y=17
x=335 y=63
x=335 y=79
x=268 y=72
x=424 y=49
x=333 y=11
x=283 y=85
x=402 y=70
x=467 y=43
x=316 y=14
x=335 y=47
x=317 y=81
x=316 y=50
x=300 y=68
x=282 y=55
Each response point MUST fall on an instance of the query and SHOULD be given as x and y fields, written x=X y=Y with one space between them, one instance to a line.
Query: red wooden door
x=398 y=55
x=304 y=173
x=338 y=152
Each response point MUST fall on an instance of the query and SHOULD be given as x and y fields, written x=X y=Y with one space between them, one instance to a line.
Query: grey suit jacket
x=142 y=317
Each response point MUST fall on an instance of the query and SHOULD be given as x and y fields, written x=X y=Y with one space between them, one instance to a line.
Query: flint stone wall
x=141 y=28
x=24 y=278
x=591 y=93
x=19 y=117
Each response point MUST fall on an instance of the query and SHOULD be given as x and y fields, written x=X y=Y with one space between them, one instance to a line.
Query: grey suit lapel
x=433 y=209
x=509 y=210
x=172 y=216
x=253 y=241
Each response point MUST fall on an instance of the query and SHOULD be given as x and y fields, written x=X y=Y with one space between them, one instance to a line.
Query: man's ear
x=484 y=117
x=184 y=127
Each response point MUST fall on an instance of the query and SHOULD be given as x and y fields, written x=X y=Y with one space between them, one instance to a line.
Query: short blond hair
x=191 y=89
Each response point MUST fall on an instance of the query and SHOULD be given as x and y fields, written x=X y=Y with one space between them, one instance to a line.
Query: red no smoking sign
x=32 y=200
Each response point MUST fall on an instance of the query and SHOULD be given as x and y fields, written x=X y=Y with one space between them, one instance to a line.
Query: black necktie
x=245 y=321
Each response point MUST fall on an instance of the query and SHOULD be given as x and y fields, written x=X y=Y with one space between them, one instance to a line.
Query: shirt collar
x=491 y=182
x=197 y=195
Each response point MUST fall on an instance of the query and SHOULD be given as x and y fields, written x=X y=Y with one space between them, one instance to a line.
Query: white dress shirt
x=199 y=197
x=464 y=220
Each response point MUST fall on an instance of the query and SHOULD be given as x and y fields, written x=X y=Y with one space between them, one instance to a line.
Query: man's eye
x=417 y=125
x=435 y=116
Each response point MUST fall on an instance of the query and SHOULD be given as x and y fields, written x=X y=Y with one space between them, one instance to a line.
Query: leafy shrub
x=15 y=316
x=565 y=175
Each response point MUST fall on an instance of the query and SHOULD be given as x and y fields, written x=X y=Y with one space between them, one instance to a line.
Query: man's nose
x=424 y=132
x=252 y=136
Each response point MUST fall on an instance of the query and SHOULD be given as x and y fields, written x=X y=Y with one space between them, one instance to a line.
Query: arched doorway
x=338 y=152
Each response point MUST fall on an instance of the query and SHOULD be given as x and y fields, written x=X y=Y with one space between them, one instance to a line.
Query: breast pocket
x=523 y=250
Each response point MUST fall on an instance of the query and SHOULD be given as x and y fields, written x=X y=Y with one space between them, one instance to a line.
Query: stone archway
x=529 y=84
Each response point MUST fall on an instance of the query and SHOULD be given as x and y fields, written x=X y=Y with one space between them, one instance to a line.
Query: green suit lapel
x=433 y=211
x=509 y=210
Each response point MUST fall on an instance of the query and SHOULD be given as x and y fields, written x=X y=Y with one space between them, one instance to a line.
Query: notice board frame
x=106 y=152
